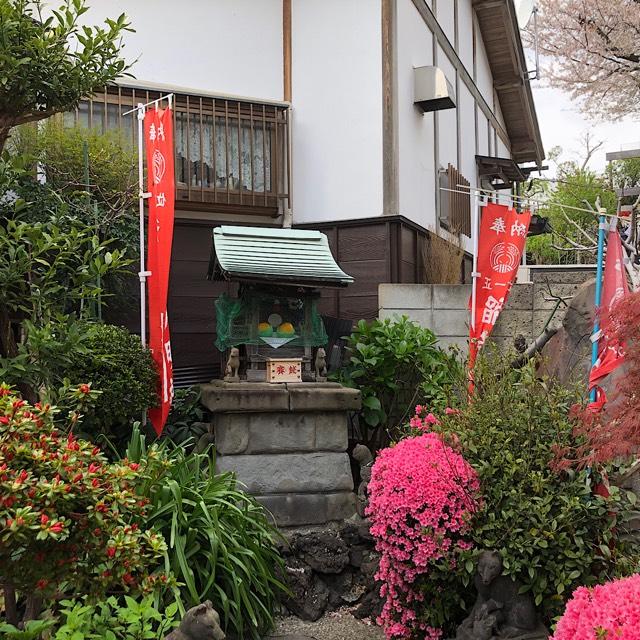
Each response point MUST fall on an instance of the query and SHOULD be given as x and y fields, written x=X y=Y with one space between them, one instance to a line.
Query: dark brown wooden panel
x=192 y=242
x=368 y=275
x=189 y=350
x=189 y=278
x=359 y=307
x=328 y=306
x=192 y=315
x=407 y=272
x=359 y=243
x=407 y=244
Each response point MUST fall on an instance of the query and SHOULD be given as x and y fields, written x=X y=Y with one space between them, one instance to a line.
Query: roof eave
x=499 y=27
x=292 y=282
x=267 y=255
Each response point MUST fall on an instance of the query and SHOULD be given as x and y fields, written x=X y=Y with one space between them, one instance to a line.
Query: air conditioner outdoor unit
x=432 y=90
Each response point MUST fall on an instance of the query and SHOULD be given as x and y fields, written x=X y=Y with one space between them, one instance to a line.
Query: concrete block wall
x=444 y=308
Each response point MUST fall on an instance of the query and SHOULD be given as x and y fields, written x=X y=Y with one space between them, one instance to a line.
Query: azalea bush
x=423 y=496
x=553 y=530
x=605 y=612
x=68 y=518
x=395 y=364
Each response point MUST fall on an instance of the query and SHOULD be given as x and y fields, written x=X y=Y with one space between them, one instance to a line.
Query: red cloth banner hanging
x=503 y=233
x=158 y=133
x=614 y=288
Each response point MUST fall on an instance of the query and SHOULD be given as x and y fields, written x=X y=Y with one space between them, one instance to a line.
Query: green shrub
x=123 y=618
x=221 y=545
x=553 y=532
x=115 y=619
x=395 y=364
x=187 y=419
x=116 y=364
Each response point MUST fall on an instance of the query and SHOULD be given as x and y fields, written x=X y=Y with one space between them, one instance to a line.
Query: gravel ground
x=338 y=625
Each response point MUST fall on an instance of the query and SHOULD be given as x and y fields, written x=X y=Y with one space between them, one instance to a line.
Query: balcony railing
x=230 y=154
x=455 y=205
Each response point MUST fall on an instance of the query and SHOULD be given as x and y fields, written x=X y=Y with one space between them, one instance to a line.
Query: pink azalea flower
x=420 y=499
x=611 y=610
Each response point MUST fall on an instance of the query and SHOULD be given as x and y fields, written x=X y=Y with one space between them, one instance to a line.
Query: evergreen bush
x=117 y=365
x=395 y=363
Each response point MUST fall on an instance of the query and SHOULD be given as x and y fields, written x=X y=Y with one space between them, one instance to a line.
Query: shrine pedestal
x=287 y=443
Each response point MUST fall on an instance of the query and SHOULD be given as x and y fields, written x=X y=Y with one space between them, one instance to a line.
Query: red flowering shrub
x=65 y=512
x=609 y=611
x=422 y=495
x=614 y=433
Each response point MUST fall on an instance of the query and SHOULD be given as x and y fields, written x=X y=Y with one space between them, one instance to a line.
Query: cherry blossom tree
x=594 y=50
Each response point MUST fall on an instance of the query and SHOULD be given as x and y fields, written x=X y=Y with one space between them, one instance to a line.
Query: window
x=215 y=152
x=228 y=153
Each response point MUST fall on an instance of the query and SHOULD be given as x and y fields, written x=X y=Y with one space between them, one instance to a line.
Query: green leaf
x=371 y=402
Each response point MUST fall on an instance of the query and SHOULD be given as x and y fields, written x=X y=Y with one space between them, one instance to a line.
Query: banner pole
x=474 y=272
x=602 y=227
x=142 y=274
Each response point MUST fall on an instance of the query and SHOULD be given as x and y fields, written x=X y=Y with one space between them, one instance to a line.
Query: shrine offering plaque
x=284 y=370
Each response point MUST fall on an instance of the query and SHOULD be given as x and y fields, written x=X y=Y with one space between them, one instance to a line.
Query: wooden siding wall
x=192 y=297
x=373 y=251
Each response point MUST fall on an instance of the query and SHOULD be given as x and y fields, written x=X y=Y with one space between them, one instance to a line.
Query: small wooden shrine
x=272 y=331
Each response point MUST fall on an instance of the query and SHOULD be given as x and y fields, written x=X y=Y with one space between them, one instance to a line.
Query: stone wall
x=287 y=444
x=444 y=308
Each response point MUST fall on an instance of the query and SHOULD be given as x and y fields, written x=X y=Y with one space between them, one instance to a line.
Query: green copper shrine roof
x=283 y=256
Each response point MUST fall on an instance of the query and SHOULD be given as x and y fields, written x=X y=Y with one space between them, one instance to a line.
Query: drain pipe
x=287 y=214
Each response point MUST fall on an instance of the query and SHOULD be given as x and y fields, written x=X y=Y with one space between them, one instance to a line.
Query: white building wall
x=337 y=109
x=483 y=135
x=465 y=34
x=447 y=127
x=421 y=153
x=445 y=13
x=416 y=161
x=467 y=134
x=220 y=46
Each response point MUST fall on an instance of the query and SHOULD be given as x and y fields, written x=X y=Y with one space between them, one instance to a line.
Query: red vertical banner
x=614 y=288
x=158 y=134
x=503 y=234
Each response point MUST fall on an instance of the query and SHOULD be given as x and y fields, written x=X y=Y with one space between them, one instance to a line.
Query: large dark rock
x=358 y=554
x=370 y=606
x=345 y=588
x=567 y=356
x=349 y=533
x=370 y=564
x=309 y=595
x=324 y=552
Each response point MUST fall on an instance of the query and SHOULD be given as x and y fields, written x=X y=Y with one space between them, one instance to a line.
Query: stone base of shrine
x=287 y=444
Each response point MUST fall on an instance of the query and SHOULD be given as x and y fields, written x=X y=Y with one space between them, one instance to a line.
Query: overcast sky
x=561 y=123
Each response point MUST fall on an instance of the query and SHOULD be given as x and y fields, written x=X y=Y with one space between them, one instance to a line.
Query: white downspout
x=287 y=214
